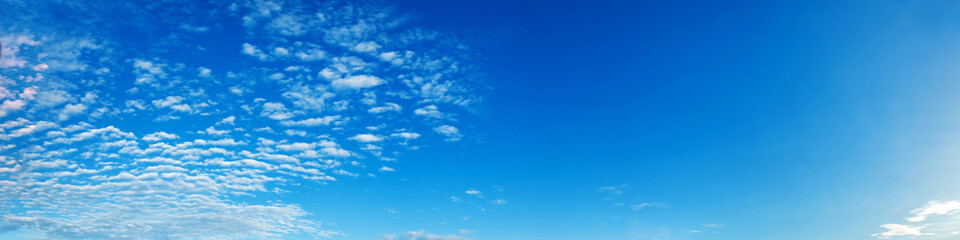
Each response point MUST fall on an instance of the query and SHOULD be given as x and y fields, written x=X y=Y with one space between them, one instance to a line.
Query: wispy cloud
x=921 y=225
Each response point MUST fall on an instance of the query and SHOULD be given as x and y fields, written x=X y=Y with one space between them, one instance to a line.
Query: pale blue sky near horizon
x=447 y=120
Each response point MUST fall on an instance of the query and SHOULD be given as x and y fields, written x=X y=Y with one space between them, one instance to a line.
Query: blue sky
x=450 y=120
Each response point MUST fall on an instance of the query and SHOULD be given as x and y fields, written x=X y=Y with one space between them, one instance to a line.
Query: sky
x=454 y=120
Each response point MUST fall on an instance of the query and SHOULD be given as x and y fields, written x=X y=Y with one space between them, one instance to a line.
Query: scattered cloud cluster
x=103 y=141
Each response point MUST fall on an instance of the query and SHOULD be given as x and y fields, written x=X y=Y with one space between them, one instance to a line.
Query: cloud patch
x=156 y=144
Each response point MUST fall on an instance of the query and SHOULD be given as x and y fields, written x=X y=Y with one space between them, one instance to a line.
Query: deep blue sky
x=783 y=120
x=551 y=119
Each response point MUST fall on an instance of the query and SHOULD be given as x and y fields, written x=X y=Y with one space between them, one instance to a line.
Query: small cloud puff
x=366 y=138
x=356 y=82
x=451 y=132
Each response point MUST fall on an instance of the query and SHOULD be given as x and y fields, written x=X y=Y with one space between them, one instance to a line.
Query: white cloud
x=89 y=98
x=159 y=160
x=276 y=111
x=934 y=208
x=220 y=142
x=10 y=106
x=52 y=98
x=638 y=207
x=932 y=226
x=203 y=72
x=28 y=93
x=392 y=58
x=356 y=82
x=26 y=128
x=10 y=46
x=238 y=90
x=105 y=133
x=47 y=164
x=406 y=135
x=168 y=101
x=277 y=76
x=70 y=110
x=900 y=230
x=280 y=52
x=227 y=121
x=429 y=111
x=451 y=132
x=157 y=136
x=336 y=152
x=327 y=73
x=65 y=54
x=366 y=47
x=148 y=72
x=41 y=67
x=289 y=25
x=134 y=105
x=213 y=131
x=133 y=216
x=182 y=108
x=295 y=132
x=387 y=107
x=386 y=169
x=165 y=168
x=311 y=122
x=253 y=51
x=366 y=138
x=309 y=97
x=311 y=55
x=298 y=146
